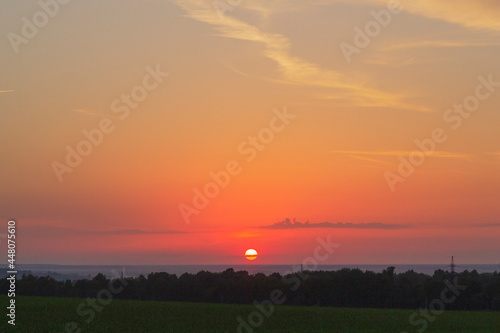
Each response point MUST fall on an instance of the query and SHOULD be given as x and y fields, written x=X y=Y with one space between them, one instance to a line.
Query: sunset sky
x=305 y=109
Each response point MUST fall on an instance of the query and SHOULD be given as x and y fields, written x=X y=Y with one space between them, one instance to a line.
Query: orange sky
x=173 y=92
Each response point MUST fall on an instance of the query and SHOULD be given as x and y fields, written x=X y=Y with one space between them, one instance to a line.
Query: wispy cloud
x=287 y=224
x=132 y=232
x=439 y=154
x=489 y=225
x=477 y=14
x=90 y=113
x=6 y=91
x=387 y=60
x=372 y=162
x=386 y=158
x=293 y=69
x=70 y=231
x=435 y=44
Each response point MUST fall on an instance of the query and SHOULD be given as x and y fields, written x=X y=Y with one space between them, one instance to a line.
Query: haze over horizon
x=180 y=132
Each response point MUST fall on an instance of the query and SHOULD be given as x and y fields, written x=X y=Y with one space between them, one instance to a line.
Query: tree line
x=340 y=288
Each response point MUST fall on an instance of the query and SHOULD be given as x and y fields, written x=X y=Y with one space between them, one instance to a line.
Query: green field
x=36 y=314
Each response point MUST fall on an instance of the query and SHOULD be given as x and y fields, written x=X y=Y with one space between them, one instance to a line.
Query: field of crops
x=35 y=314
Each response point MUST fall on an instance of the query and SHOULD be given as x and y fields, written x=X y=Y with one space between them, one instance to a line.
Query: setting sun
x=251 y=254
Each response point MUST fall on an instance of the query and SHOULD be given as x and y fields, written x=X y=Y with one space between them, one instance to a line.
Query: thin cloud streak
x=434 y=44
x=477 y=15
x=69 y=231
x=393 y=62
x=372 y=160
x=489 y=225
x=132 y=232
x=439 y=154
x=287 y=224
x=92 y=113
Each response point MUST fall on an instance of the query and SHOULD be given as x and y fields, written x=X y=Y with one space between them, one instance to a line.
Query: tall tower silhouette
x=452 y=266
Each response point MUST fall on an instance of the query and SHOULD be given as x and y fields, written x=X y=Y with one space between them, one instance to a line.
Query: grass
x=40 y=314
